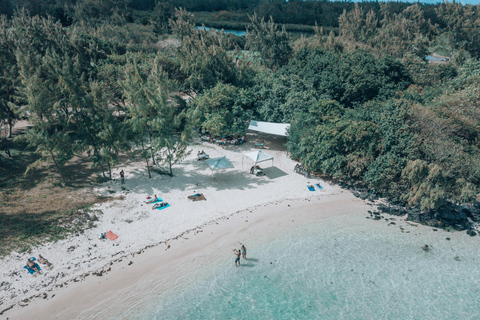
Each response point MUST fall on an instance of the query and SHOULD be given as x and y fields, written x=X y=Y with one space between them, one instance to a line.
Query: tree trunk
x=146 y=159
x=151 y=149
x=148 y=169
x=10 y=127
x=109 y=170
x=170 y=165
x=58 y=167
x=95 y=153
x=103 y=172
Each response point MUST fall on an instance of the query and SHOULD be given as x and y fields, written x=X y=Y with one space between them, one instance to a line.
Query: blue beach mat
x=161 y=208
x=319 y=186
x=31 y=271
x=156 y=201
x=311 y=188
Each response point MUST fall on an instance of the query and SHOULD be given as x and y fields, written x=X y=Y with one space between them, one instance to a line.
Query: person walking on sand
x=244 y=252
x=122 y=176
x=237 y=254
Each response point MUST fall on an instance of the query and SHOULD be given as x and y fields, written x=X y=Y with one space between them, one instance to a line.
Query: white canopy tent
x=218 y=163
x=279 y=129
x=258 y=156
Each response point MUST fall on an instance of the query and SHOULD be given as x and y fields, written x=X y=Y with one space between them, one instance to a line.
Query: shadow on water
x=247 y=265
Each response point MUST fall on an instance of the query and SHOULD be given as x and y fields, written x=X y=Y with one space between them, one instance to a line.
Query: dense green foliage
x=104 y=77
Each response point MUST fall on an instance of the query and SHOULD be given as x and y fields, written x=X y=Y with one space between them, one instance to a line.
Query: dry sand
x=157 y=248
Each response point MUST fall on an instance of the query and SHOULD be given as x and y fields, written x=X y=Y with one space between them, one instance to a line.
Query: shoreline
x=158 y=249
x=83 y=255
x=106 y=296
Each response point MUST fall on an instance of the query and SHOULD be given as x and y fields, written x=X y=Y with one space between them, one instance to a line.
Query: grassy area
x=35 y=208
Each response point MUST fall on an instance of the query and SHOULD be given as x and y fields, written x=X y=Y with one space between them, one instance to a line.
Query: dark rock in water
x=471 y=233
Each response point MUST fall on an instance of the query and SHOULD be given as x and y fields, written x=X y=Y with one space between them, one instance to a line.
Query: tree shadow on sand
x=199 y=178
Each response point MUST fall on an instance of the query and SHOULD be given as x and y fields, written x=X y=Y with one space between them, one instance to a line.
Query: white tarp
x=218 y=163
x=279 y=129
x=258 y=156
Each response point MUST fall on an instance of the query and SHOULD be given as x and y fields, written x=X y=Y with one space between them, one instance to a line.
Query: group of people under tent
x=256 y=169
x=202 y=155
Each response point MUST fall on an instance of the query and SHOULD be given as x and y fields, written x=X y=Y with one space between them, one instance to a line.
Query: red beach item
x=110 y=235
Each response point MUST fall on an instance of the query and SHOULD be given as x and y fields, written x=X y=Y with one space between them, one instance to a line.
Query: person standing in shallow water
x=122 y=177
x=244 y=252
x=237 y=254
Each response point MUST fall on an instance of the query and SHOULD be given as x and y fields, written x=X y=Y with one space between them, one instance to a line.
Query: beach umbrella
x=218 y=163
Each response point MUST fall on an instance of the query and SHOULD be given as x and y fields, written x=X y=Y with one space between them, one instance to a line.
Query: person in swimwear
x=32 y=265
x=426 y=248
x=44 y=261
x=237 y=254
x=159 y=205
x=153 y=200
x=244 y=252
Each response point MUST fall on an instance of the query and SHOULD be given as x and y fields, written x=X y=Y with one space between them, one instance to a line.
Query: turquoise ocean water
x=340 y=268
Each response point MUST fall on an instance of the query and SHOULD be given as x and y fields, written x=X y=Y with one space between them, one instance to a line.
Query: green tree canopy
x=223 y=110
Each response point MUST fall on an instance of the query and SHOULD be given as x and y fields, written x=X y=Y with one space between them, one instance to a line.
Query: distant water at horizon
x=235 y=32
x=336 y=269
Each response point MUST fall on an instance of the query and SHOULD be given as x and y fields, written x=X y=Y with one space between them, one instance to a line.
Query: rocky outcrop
x=449 y=215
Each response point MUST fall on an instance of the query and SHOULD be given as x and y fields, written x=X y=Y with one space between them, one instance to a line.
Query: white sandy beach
x=161 y=253
x=231 y=194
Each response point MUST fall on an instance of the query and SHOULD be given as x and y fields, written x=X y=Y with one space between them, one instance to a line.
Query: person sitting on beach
x=425 y=248
x=32 y=265
x=251 y=169
x=42 y=260
x=153 y=200
x=198 y=154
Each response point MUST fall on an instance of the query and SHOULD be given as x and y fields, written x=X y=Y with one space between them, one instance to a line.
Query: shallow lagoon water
x=344 y=267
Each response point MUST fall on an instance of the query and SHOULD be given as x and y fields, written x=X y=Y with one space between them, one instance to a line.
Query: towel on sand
x=31 y=271
x=319 y=186
x=197 y=197
x=161 y=208
x=311 y=188
x=110 y=235
x=158 y=199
